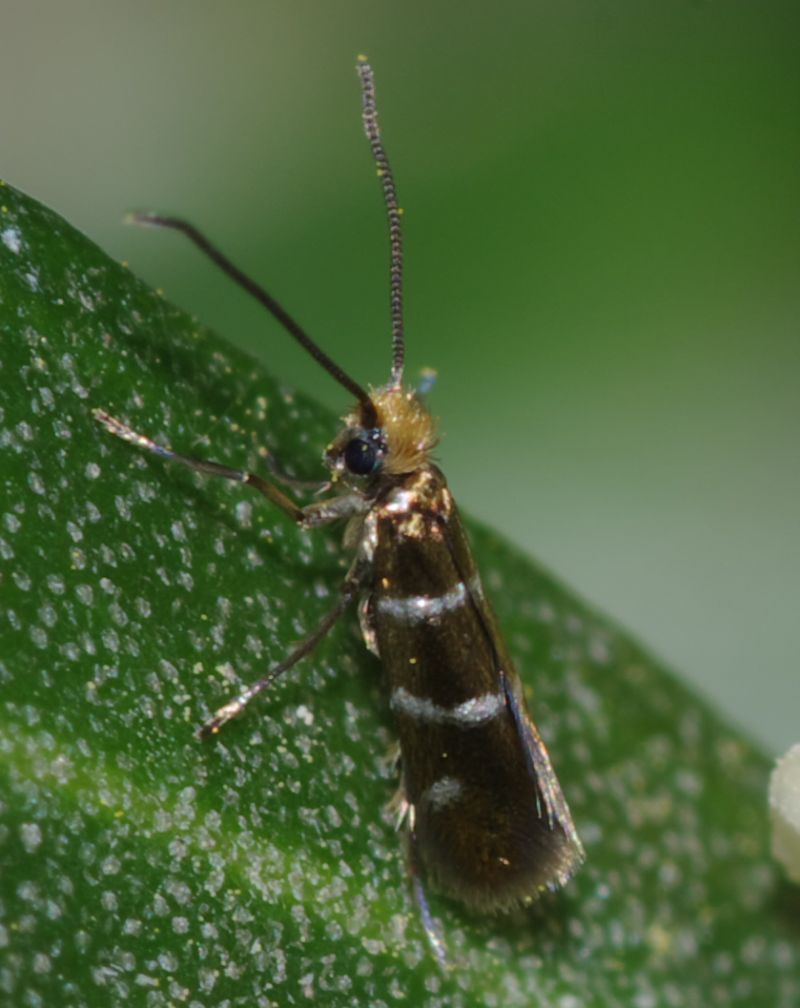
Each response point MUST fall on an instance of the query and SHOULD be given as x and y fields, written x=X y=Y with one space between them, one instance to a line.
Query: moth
x=486 y=820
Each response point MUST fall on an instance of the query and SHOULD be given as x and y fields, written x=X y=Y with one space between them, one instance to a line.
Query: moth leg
x=433 y=931
x=367 y=623
x=403 y=811
x=392 y=757
x=298 y=485
x=311 y=516
x=349 y=591
x=399 y=807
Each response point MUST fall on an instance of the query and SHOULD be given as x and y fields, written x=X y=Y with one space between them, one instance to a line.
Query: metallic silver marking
x=401 y=502
x=475 y=711
x=420 y=608
x=367 y=625
x=443 y=792
x=368 y=541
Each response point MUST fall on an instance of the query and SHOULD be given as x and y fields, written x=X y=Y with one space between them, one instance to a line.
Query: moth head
x=396 y=436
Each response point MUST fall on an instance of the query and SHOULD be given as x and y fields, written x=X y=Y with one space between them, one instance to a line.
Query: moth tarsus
x=485 y=816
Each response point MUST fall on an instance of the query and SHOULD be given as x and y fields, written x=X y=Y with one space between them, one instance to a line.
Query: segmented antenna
x=254 y=289
x=393 y=212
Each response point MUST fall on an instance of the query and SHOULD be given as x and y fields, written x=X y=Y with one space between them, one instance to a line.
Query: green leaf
x=141 y=865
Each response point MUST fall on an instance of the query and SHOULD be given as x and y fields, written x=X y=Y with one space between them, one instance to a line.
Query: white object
x=784 y=807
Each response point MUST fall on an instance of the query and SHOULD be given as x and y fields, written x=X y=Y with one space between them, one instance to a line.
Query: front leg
x=310 y=516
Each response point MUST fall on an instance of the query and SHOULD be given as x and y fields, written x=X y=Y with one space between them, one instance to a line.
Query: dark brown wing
x=490 y=821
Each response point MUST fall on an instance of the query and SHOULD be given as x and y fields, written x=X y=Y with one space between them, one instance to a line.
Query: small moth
x=485 y=816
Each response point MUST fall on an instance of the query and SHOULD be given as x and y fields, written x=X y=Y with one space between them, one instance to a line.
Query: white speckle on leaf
x=41 y=963
x=123 y=507
x=12 y=239
x=244 y=514
x=31 y=836
x=109 y=901
x=39 y=637
x=36 y=484
x=77 y=558
x=305 y=715
x=110 y=640
x=11 y=522
x=110 y=865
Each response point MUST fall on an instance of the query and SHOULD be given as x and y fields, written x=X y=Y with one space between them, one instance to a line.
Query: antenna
x=369 y=416
x=369 y=117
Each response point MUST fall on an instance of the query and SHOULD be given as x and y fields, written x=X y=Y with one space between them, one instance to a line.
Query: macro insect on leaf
x=484 y=814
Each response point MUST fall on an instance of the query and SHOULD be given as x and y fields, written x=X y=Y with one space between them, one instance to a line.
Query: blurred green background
x=602 y=209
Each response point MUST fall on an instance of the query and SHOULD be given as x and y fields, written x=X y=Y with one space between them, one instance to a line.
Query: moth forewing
x=489 y=821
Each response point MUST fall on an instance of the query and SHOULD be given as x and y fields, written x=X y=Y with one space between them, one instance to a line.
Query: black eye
x=360 y=456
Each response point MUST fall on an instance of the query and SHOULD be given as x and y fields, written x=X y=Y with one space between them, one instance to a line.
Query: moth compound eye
x=361 y=456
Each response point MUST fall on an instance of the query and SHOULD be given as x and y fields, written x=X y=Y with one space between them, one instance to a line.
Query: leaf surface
x=141 y=865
